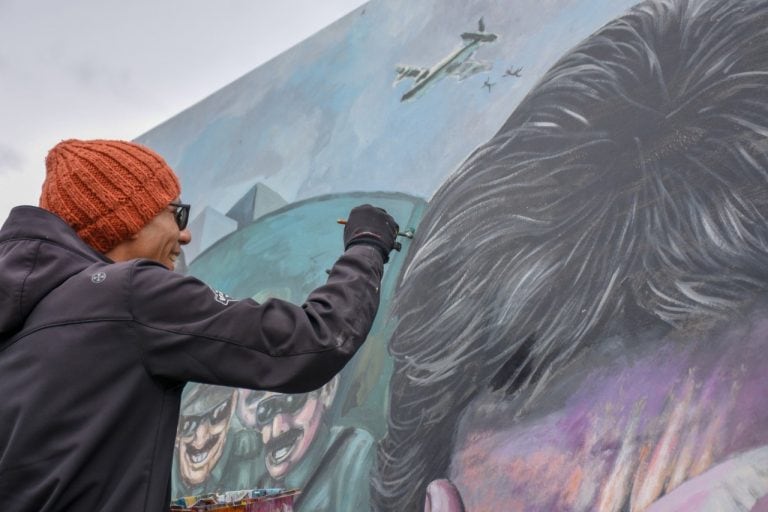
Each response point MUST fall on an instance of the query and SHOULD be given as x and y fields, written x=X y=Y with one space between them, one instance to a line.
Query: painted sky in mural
x=327 y=116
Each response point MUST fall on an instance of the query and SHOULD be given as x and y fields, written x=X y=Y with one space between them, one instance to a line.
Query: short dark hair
x=627 y=189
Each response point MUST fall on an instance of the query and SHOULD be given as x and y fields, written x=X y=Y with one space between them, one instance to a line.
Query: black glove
x=367 y=224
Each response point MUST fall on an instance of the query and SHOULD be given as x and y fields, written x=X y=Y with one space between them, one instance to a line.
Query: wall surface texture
x=581 y=320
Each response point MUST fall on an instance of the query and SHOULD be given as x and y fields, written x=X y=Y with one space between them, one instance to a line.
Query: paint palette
x=252 y=500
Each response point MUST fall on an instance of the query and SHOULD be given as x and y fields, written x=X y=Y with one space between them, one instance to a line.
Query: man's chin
x=281 y=455
x=278 y=469
x=195 y=476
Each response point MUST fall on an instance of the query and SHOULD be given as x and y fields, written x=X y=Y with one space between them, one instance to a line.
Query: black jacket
x=94 y=355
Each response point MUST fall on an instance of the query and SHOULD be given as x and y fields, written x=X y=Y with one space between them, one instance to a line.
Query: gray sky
x=115 y=69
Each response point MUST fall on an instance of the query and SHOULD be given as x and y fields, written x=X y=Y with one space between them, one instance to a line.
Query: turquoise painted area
x=286 y=253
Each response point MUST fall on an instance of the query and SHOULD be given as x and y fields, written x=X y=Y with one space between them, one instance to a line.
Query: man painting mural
x=583 y=317
x=210 y=456
x=98 y=336
x=330 y=465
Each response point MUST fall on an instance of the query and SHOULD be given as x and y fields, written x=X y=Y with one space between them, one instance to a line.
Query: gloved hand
x=367 y=224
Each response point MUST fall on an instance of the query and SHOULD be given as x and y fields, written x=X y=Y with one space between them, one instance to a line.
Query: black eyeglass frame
x=181 y=214
x=188 y=424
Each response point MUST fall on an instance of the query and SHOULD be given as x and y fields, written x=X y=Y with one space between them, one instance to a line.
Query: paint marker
x=408 y=233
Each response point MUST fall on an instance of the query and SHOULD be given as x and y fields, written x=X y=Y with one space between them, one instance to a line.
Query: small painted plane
x=457 y=63
x=515 y=73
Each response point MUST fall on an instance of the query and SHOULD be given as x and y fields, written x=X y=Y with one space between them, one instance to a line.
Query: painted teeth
x=200 y=457
x=281 y=453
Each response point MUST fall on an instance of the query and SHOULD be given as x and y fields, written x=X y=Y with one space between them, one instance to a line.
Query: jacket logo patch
x=222 y=297
x=98 y=277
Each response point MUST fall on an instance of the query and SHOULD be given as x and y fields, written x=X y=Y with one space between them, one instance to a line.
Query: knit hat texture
x=107 y=190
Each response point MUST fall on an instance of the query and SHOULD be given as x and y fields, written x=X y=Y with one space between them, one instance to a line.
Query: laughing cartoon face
x=288 y=423
x=203 y=426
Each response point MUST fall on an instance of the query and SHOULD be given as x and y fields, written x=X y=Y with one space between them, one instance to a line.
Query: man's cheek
x=219 y=429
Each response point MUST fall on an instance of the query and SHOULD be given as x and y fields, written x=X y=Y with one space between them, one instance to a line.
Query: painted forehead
x=202 y=399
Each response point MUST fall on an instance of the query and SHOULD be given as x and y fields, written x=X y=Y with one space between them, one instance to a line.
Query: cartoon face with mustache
x=203 y=426
x=288 y=423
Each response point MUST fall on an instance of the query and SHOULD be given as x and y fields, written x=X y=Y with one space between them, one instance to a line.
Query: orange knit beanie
x=107 y=190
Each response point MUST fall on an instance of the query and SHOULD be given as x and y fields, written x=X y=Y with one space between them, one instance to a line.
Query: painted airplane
x=457 y=63
x=515 y=73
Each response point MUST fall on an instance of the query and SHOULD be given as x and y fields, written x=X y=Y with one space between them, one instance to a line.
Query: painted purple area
x=661 y=417
x=761 y=505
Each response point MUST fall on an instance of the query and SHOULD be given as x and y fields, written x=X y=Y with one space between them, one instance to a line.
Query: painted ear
x=443 y=496
x=328 y=392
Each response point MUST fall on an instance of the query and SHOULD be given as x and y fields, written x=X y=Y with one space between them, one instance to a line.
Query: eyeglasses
x=181 y=214
x=276 y=404
x=189 y=424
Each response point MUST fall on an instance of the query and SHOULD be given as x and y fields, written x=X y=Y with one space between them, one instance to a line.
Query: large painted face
x=201 y=441
x=621 y=425
x=288 y=423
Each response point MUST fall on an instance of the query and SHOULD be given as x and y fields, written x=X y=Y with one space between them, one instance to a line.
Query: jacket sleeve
x=188 y=331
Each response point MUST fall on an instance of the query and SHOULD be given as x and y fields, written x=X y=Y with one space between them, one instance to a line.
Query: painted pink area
x=761 y=505
x=631 y=430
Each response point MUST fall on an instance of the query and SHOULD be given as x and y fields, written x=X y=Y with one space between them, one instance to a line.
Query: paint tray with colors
x=252 y=500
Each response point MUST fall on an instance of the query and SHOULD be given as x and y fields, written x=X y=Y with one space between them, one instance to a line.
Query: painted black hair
x=627 y=189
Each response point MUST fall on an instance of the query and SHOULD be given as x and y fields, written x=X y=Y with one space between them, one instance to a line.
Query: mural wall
x=581 y=320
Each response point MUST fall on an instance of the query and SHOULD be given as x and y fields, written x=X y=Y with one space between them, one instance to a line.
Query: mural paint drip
x=580 y=322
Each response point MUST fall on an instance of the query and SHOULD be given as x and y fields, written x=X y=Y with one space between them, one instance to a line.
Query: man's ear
x=233 y=403
x=122 y=251
x=328 y=392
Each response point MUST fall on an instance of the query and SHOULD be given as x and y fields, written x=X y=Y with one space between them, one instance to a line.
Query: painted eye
x=220 y=412
x=188 y=427
x=264 y=413
x=294 y=403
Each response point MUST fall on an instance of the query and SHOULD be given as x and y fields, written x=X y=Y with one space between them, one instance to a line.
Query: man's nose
x=202 y=433
x=280 y=423
x=185 y=236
